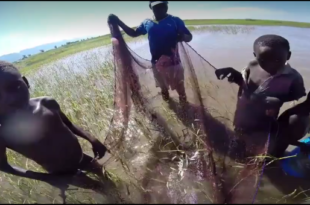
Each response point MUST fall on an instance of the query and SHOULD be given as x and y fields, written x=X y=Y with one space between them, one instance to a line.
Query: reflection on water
x=222 y=50
x=218 y=47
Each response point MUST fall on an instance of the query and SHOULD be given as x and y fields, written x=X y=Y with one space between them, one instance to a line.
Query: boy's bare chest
x=28 y=128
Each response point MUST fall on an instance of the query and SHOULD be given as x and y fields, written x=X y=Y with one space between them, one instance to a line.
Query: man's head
x=14 y=93
x=272 y=52
x=160 y=9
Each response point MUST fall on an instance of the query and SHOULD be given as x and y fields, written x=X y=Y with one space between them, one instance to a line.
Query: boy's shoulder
x=293 y=71
x=46 y=101
x=252 y=64
x=289 y=71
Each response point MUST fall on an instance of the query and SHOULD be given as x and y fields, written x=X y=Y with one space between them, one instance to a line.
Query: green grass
x=35 y=62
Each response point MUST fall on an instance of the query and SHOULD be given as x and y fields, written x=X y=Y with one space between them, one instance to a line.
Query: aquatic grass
x=86 y=97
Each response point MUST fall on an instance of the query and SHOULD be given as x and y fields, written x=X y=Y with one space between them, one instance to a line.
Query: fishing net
x=199 y=157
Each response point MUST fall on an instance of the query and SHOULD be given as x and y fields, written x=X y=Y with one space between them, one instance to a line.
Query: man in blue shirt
x=163 y=34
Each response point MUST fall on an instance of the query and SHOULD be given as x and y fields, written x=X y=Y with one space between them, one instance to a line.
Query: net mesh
x=198 y=155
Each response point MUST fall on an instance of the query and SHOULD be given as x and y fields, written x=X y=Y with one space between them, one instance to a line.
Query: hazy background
x=29 y=24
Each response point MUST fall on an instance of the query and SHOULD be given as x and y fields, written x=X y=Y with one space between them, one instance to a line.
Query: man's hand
x=232 y=75
x=99 y=149
x=113 y=19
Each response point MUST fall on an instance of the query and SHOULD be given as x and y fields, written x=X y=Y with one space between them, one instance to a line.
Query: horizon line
x=85 y=37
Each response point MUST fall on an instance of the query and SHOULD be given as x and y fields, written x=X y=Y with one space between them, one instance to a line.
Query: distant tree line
x=26 y=56
x=55 y=47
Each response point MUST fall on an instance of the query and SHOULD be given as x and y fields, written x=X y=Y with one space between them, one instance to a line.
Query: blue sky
x=29 y=24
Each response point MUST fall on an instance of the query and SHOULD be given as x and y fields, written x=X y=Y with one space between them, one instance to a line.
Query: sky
x=28 y=24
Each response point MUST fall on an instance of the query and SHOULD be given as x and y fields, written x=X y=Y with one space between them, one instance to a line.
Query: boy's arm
x=183 y=31
x=7 y=168
x=98 y=147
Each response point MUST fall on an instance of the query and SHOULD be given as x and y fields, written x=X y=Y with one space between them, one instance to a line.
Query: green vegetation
x=87 y=106
x=132 y=173
x=32 y=63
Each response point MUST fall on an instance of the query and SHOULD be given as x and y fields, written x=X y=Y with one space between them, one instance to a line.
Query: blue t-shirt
x=162 y=35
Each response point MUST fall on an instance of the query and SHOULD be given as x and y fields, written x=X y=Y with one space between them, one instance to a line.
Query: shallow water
x=220 y=48
x=223 y=50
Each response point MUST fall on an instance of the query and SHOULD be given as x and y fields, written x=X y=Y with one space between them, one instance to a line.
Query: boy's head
x=272 y=52
x=160 y=9
x=14 y=93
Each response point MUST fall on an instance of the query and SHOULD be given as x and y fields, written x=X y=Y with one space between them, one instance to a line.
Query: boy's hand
x=232 y=75
x=113 y=19
x=99 y=149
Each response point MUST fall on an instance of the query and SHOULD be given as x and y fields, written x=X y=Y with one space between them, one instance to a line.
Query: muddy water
x=222 y=50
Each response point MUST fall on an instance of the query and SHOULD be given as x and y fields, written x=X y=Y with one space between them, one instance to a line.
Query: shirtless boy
x=37 y=129
x=267 y=79
x=164 y=32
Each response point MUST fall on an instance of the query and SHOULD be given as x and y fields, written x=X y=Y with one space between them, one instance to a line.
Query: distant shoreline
x=33 y=63
x=249 y=22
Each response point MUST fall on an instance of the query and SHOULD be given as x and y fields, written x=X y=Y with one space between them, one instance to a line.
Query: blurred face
x=271 y=59
x=14 y=93
x=160 y=11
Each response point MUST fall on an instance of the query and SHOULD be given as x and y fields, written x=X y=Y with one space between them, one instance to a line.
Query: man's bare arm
x=129 y=31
